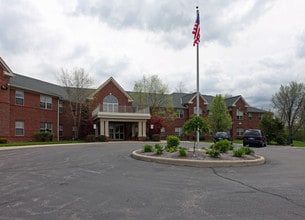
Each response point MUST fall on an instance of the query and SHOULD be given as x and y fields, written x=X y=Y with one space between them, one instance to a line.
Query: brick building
x=28 y=105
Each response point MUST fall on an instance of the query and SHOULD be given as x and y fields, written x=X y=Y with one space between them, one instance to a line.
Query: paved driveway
x=102 y=181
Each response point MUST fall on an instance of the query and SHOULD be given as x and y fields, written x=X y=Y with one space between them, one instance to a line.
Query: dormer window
x=110 y=104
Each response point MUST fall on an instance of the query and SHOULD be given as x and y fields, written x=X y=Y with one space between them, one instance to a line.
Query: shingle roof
x=179 y=99
x=36 y=85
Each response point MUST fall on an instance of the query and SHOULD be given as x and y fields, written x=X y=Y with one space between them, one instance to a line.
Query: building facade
x=28 y=105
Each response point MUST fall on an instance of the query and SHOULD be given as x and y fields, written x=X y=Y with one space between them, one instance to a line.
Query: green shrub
x=213 y=153
x=182 y=152
x=158 y=149
x=239 y=152
x=172 y=141
x=248 y=150
x=43 y=136
x=102 y=138
x=90 y=138
x=148 y=148
x=222 y=146
x=155 y=137
x=3 y=141
x=170 y=149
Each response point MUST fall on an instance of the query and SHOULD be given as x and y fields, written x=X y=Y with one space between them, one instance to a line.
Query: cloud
x=301 y=46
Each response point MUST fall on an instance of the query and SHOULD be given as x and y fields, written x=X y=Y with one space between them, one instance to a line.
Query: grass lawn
x=38 y=143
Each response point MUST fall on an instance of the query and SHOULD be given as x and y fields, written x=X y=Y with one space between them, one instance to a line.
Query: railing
x=120 y=109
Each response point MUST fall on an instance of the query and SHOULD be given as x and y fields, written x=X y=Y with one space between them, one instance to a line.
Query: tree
x=75 y=83
x=290 y=105
x=219 y=118
x=195 y=124
x=273 y=128
x=150 y=91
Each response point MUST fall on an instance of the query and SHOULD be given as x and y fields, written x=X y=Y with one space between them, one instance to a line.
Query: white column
x=144 y=129
x=107 y=128
x=102 y=127
x=140 y=129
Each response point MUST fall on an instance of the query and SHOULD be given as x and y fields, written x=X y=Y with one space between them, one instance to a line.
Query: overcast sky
x=248 y=47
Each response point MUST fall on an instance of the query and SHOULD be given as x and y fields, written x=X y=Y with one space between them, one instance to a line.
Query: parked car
x=222 y=136
x=254 y=137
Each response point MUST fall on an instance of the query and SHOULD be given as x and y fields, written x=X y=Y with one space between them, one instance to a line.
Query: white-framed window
x=61 y=130
x=162 y=132
x=45 y=127
x=19 y=97
x=19 y=128
x=60 y=107
x=110 y=104
x=239 y=114
x=195 y=111
x=239 y=132
x=45 y=102
x=250 y=116
x=178 y=131
x=180 y=113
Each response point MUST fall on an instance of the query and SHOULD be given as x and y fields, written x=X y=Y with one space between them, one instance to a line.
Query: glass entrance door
x=116 y=131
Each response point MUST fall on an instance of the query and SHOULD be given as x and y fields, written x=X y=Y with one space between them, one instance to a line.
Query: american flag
x=196 y=30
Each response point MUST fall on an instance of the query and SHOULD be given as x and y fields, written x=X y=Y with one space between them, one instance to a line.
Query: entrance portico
x=121 y=125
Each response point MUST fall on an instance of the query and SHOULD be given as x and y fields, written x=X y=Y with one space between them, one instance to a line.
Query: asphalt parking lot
x=102 y=181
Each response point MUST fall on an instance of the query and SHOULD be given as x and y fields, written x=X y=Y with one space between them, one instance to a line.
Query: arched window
x=110 y=104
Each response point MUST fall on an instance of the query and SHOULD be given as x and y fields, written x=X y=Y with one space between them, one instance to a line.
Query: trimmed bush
x=102 y=138
x=90 y=138
x=158 y=149
x=172 y=141
x=3 y=141
x=43 y=136
x=213 y=153
x=155 y=137
x=239 y=152
x=182 y=152
x=148 y=148
x=222 y=146
x=248 y=150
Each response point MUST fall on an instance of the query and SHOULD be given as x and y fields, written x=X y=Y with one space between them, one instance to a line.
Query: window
x=110 y=104
x=162 y=133
x=178 y=131
x=45 y=102
x=180 y=113
x=61 y=130
x=19 y=126
x=239 y=131
x=45 y=127
x=19 y=97
x=60 y=107
x=239 y=114
x=195 y=111
x=250 y=116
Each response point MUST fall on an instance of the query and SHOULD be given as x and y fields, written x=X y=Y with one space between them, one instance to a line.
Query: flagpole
x=197 y=98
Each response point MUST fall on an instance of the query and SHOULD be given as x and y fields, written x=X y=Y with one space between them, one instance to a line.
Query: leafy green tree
x=273 y=128
x=289 y=102
x=219 y=118
x=195 y=124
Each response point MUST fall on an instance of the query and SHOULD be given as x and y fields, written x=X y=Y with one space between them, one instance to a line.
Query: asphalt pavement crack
x=257 y=189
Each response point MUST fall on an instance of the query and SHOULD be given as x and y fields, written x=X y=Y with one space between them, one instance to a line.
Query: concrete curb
x=198 y=163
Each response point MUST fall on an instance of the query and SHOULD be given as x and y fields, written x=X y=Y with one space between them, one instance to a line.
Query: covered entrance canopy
x=123 y=123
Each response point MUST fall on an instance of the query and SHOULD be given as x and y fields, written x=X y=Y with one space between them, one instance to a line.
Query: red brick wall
x=108 y=89
x=4 y=106
x=31 y=114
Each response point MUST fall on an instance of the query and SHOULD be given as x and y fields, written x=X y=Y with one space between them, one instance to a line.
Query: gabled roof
x=183 y=99
x=7 y=71
x=111 y=79
x=255 y=110
x=231 y=101
x=27 y=83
